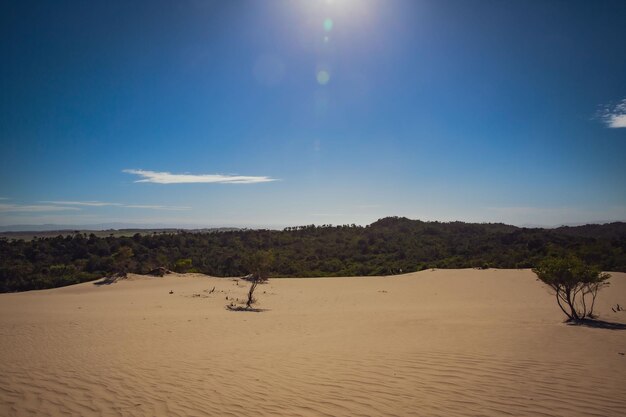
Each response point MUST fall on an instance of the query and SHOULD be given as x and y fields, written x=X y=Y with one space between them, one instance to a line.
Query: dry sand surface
x=433 y=343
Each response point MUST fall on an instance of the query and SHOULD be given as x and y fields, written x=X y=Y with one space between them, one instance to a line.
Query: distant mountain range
x=101 y=232
x=89 y=227
x=203 y=227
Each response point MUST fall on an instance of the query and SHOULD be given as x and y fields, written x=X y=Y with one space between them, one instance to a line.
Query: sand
x=433 y=343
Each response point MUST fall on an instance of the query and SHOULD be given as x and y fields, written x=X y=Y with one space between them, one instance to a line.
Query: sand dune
x=433 y=343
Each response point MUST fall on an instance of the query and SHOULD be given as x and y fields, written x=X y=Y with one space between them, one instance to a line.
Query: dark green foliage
x=389 y=246
x=183 y=265
x=575 y=284
x=259 y=264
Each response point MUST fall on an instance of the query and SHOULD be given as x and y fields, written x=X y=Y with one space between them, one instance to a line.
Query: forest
x=388 y=246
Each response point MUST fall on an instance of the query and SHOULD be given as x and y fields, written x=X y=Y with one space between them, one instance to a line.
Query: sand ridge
x=433 y=343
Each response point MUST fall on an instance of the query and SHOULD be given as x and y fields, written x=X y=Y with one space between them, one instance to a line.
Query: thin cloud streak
x=104 y=204
x=82 y=203
x=33 y=208
x=144 y=206
x=169 y=178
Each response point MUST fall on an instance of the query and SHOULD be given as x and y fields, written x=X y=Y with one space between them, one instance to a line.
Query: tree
x=575 y=284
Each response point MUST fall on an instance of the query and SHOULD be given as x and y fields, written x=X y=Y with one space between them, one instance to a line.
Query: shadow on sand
x=598 y=324
x=248 y=309
x=110 y=280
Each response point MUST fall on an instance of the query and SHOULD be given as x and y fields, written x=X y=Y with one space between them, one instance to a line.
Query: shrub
x=575 y=284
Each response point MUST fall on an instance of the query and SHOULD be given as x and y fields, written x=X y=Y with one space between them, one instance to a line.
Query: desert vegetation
x=389 y=246
x=259 y=264
x=575 y=285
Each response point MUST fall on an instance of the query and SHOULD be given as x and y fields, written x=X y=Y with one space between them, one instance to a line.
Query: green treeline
x=389 y=246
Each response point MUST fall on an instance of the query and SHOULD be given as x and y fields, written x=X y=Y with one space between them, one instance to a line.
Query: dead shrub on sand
x=259 y=265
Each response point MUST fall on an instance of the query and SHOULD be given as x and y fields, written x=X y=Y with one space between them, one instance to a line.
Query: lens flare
x=323 y=77
x=328 y=25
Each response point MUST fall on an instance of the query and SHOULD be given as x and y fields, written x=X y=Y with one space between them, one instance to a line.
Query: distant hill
x=68 y=227
x=388 y=246
x=28 y=235
x=99 y=227
x=598 y=231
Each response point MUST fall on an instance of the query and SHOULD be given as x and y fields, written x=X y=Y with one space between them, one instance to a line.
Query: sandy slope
x=434 y=343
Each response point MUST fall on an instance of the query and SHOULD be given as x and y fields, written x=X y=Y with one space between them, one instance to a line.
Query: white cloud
x=103 y=204
x=33 y=208
x=168 y=178
x=618 y=120
x=615 y=116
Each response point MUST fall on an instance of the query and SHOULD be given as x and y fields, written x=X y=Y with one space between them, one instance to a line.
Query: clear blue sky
x=294 y=112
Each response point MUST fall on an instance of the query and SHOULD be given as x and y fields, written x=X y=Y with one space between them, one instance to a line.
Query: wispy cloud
x=151 y=207
x=169 y=178
x=105 y=204
x=615 y=116
x=83 y=203
x=33 y=208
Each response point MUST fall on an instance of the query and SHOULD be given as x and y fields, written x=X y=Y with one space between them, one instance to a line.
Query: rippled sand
x=433 y=343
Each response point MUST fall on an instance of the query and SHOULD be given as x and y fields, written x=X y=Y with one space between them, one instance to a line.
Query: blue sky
x=275 y=113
